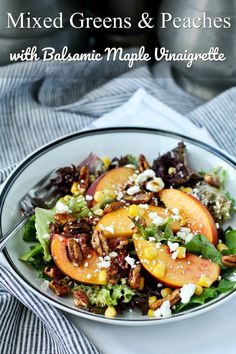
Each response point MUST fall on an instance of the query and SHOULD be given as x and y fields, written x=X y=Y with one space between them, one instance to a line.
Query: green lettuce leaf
x=107 y=295
x=76 y=205
x=202 y=246
x=43 y=218
x=34 y=251
x=211 y=293
x=29 y=234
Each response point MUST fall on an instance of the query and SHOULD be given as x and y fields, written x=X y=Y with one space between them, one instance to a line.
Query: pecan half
x=74 y=252
x=229 y=261
x=53 y=272
x=113 y=206
x=174 y=298
x=59 y=288
x=142 y=163
x=113 y=273
x=99 y=243
x=212 y=180
x=139 y=198
x=134 y=277
x=76 y=228
x=64 y=218
x=117 y=243
x=80 y=299
x=83 y=179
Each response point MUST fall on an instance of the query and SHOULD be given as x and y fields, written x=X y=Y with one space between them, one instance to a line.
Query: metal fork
x=40 y=195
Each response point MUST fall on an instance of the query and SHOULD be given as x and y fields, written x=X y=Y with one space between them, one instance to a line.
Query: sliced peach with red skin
x=88 y=274
x=196 y=215
x=110 y=180
x=177 y=271
x=118 y=223
x=163 y=213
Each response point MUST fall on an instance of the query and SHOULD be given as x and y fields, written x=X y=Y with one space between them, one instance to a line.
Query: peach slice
x=163 y=213
x=116 y=224
x=110 y=180
x=175 y=272
x=88 y=274
x=197 y=217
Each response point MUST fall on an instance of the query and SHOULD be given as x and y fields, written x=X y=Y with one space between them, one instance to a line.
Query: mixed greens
x=126 y=235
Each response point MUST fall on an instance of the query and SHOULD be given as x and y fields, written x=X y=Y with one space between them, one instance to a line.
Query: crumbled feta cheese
x=219 y=278
x=172 y=246
x=217 y=225
x=152 y=239
x=189 y=237
x=104 y=263
x=144 y=176
x=144 y=206
x=89 y=276
x=130 y=261
x=133 y=190
x=130 y=166
x=119 y=196
x=61 y=207
x=46 y=236
x=86 y=264
x=164 y=310
x=88 y=197
x=89 y=256
x=159 y=285
x=110 y=229
x=152 y=215
x=157 y=220
x=186 y=292
x=113 y=254
x=174 y=255
x=155 y=185
x=175 y=211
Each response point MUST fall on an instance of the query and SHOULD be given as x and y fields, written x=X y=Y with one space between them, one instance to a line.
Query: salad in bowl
x=129 y=233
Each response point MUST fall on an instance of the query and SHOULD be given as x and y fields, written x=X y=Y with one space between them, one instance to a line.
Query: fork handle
x=8 y=236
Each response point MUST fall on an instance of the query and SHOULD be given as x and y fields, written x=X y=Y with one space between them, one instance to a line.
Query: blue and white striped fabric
x=40 y=102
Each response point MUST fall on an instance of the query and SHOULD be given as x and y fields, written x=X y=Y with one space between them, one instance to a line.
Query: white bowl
x=73 y=149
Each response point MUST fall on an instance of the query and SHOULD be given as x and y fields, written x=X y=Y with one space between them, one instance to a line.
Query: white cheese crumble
x=88 y=197
x=133 y=190
x=109 y=229
x=89 y=276
x=173 y=246
x=186 y=234
x=86 y=264
x=152 y=239
x=175 y=211
x=46 y=236
x=155 y=185
x=130 y=261
x=144 y=176
x=61 y=207
x=113 y=254
x=144 y=206
x=156 y=220
x=119 y=196
x=186 y=292
x=164 y=310
x=174 y=255
x=104 y=263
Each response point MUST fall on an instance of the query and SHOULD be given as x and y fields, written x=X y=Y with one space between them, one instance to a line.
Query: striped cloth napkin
x=42 y=102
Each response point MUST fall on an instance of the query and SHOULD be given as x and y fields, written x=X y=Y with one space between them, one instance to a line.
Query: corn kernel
x=141 y=284
x=98 y=197
x=183 y=221
x=102 y=277
x=135 y=210
x=171 y=170
x=106 y=162
x=181 y=252
x=151 y=300
x=110 y=312
x=150 y=313
x=166 y=292
x=205 y=281
x=187 y=190
x=150 y=253
x=74 y=189
x=137 y=235
x=199 y=290
x=159 y=269
x=221 y=247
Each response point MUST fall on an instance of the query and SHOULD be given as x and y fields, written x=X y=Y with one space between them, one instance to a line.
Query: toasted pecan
x=80 y=299
x=113 y=207
x=212 y=180
x=59 y=288
x=139 y=198
x=229 y=260
x=142 y=163
x=174 y=298
x=134 y=277
x=99 y=243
